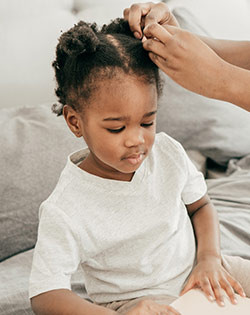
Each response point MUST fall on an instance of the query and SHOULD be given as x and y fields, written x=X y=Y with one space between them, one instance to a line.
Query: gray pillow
x=217 y=129
x=34 y=147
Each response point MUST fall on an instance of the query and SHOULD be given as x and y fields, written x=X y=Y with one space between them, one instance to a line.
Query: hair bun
x=118 y=26
x=79 y=39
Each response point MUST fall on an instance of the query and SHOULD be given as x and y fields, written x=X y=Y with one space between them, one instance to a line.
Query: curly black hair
x=86 y=55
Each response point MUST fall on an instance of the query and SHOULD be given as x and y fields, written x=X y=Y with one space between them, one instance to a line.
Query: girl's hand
x=149 y=307
x=139 y=15
x=211 y=277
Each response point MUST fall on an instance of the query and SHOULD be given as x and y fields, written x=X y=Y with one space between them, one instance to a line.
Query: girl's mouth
x=135 y=158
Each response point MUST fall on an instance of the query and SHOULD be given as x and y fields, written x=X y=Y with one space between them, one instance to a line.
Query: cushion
x=34 y=147
x=219 y=130
x=14 y=275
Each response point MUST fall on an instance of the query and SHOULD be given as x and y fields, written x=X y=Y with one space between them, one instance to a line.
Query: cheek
x=151 y=136
x=108 y=146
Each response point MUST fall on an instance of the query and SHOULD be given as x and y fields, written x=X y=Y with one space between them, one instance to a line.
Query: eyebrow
x=122 y=118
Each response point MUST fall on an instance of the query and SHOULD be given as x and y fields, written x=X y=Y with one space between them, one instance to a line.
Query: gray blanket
x=231 y=197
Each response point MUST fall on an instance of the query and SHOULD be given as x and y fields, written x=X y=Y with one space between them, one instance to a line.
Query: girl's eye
x=147 y=125
x=116 y=130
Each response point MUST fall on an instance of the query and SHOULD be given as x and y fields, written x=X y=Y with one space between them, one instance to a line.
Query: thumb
x=190 y=285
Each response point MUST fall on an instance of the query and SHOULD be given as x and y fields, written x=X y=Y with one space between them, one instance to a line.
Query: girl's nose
x=134 y=138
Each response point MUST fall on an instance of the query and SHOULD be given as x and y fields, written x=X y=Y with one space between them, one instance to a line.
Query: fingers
x=229 y=291
x=159 y=61
x=144 y=14
x=218 y=287
x=155 y=47
x=236 y=286
x=190 y=285
x=207 y=289
x=218 y=292
x=230 y=285
x=155 y=30
x=211 y=277
x=214 y=289
x=134 y=16
x=160 y=13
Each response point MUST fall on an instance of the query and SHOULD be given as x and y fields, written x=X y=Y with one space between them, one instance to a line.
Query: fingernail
x=211 y=298
x=222 y=303
x=235 y=301
x=137 y=35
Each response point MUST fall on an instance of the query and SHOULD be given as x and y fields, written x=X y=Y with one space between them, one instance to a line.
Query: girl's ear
x=73 y=120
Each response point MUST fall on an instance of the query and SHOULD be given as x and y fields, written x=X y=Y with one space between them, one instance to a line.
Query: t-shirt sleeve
x=195 y=187
x=57 y=255
x=193 y=183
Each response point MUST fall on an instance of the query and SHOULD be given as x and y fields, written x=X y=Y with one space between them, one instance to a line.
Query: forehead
x=124 y=94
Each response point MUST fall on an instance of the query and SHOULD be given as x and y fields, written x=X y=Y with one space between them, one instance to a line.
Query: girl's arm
x=208 y=272
x=205 y=222
x=60 y=302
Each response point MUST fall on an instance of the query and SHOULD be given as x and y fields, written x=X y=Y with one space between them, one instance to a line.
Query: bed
x=34 y=143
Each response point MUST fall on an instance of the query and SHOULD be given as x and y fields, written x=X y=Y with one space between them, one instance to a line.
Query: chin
x=130 y=169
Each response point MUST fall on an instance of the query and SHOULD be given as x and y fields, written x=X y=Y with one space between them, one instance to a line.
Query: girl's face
x=118 y=126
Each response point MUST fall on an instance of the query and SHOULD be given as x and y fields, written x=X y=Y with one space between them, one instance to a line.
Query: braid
x=86 y=55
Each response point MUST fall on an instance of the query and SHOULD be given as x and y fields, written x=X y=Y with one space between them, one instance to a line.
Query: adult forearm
x=234 y=85
x=65 y=302
x=234 y=52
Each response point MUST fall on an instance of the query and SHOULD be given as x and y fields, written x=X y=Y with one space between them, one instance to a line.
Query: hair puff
x=79 y=39
x=117 y=26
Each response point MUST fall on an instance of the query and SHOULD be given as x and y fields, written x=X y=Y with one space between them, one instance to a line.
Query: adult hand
x=140 y=15
x=149 y=307
x=186 y=59
x=211 y=277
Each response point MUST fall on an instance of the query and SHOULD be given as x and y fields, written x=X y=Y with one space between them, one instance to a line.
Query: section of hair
x=86 y=55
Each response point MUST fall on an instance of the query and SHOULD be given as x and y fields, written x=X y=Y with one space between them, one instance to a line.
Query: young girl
x=122 y=207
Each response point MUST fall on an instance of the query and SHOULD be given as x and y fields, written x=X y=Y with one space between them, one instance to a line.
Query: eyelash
x=147 y=125
x=121 y=129
x=116 y=130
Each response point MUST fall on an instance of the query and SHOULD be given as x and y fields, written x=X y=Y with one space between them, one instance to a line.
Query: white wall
x=228 y=19
x=29 y=30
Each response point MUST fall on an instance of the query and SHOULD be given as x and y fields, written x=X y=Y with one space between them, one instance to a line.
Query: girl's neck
x=91 y=166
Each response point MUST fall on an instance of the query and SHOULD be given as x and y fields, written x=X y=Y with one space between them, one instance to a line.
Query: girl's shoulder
x=169 y=152
x=167 y=144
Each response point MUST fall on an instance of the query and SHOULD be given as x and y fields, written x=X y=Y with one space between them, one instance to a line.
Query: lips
x=134 y=158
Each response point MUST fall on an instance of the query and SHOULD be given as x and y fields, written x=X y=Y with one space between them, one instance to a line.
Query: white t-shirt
x=131 y=238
